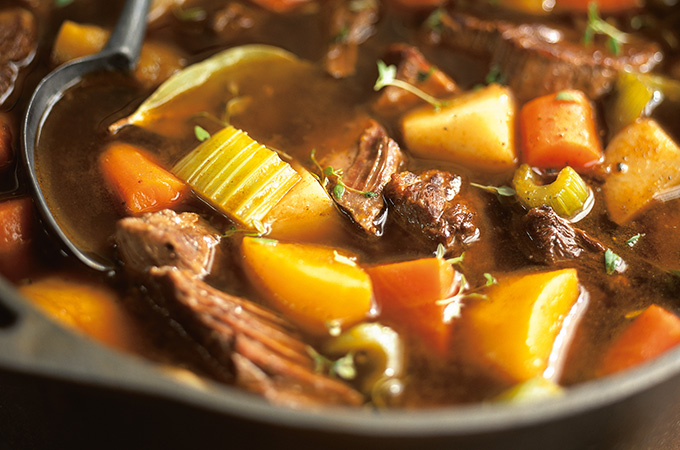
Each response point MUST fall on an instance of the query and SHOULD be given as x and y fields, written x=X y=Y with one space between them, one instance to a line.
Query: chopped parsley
x=495 y=75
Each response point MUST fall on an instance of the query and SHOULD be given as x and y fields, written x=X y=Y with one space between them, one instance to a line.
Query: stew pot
x=61 y=390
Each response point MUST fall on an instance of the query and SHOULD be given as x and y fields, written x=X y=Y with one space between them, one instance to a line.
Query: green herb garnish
x=490 y=280
x=503 y=191
x=387 y=76
x=495 y=75
x=566 y=96
x=329 y=173
x=633 y=240
x=189 y=14
x=62 y=3
x=596 y=25
x=435 y=21
x=612 y=262
x=201 y=133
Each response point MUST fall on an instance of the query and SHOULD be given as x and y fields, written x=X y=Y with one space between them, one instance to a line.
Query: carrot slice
x=649 y=335
x=559 y=130
x=16 y=235
x=280 y=6
x=407 y=293
x=142 y=184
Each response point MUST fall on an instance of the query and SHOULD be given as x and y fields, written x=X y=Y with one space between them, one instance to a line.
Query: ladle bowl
x=121 y=53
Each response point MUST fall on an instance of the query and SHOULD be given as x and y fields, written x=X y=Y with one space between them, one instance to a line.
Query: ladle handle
x=128 y=35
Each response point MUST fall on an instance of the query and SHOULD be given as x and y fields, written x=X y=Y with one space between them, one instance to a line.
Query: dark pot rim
x=32 y=344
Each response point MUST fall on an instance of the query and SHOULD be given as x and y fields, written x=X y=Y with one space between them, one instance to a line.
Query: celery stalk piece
x=567 y=195
x=637 y=95
x=238 y=175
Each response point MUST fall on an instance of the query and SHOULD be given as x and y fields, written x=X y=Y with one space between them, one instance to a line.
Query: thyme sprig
x=596 y=25
x=454 y=304
x=387 y=76
x=328 y=173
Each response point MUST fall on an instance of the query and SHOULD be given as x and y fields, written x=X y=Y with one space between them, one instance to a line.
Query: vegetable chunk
x=559 y=130
x=515 y=330
x=651 y=333
x=644 y=165
x=17 y=224
x=407 y=293
x=317 y=287
x=142 y=184
x=86 y=306
x=475 y=130
x=238 y=175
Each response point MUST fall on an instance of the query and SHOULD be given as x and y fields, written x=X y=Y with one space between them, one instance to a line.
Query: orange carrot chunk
x=559 y=130
x=16 y=236
x=141 y=183
x=280 y=6
x=649 y=335
x=407 y=294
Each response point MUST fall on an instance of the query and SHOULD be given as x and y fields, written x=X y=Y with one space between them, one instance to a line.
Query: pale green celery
x=238 y=175
x=567 y=195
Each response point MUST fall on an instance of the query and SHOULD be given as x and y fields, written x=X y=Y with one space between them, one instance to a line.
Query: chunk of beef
x=546 y=238
x=539 y=59
x=350 y=25
x=431 y=205
x=233 y=20
x=265 y=354
x=167 y=239
x=413 y=68
x=249 y=345
x=378 y=157
x=18 y=42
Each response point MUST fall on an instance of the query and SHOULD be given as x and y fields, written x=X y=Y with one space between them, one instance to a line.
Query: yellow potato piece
x=86 y=306
x=515 y=330
x=475 y=130
x=306 y=213
x=644 y=164
x=317 y=287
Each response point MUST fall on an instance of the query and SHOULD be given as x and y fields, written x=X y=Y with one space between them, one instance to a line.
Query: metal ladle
x=120 y=54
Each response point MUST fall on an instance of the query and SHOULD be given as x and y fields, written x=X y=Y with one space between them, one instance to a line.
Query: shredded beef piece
x=18 y=42
x=413 y=68
x=248 y=345
x=167 y=239
x=232 y=20
x=348 y=28
x=538 y=59
x=378 y=157
x=267 y=357
x=431 y=205
x=546 y=238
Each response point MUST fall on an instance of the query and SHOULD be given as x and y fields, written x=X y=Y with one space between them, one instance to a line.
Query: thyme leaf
x=329 y=173
x=596 y=25
x=612 y=262
x=201 y=133
x=503 y=191
x=633 y=240
x=387 y=76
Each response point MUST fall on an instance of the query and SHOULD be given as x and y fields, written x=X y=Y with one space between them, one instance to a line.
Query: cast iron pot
x=61 y=390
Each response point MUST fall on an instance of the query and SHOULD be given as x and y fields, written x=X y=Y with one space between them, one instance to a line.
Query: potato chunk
x=317 y=287
x=515 y=330
x=644 y=164
x=475 y=130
